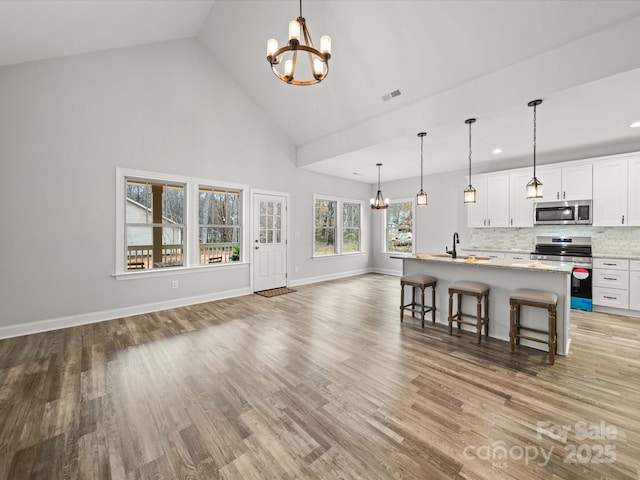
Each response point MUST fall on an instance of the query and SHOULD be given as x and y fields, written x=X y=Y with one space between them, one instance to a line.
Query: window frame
x=385 y=226
x=191 y=257
x=339 y=226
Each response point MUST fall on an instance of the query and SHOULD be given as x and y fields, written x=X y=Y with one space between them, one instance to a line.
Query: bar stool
x=420 y=281
x=539 y=299
x=473 y=289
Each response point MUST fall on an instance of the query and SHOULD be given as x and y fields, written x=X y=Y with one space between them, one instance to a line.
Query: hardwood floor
x=323 y=383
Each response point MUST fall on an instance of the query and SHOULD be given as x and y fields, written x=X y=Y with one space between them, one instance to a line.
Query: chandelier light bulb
x=272 y=47
x=288 y=68
x=325 y=44
x=294 y=30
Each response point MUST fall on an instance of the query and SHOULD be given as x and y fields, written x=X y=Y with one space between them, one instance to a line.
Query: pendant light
x=534 y=187
x=379 y=202
x=422 y=196
x=470 y=192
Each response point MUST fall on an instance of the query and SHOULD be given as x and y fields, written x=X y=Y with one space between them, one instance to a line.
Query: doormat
x=275 y=292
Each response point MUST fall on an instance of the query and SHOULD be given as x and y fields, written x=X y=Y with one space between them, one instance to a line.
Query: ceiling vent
x=389 y=96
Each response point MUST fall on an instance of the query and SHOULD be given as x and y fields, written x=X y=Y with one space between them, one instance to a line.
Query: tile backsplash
x=605 y=240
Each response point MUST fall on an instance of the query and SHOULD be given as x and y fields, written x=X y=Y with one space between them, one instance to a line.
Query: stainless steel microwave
x=577 y=212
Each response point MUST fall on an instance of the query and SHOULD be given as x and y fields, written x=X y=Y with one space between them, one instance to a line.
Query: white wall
x=66 y=124
x=434 y=223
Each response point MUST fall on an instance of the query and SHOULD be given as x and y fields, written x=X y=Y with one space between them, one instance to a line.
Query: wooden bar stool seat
x=420 y=281
x=474 y=289
x=538 y=299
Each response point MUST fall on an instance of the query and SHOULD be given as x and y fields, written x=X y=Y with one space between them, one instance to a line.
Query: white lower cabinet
x=611 y=283
x=518 y=256
x=634 y=285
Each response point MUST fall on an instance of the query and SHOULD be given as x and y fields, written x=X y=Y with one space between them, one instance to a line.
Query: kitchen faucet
x=453 y=253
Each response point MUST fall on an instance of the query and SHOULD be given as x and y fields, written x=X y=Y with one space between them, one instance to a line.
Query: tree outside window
x=351 y=213
x=338 y=226
x=325 y=227
x=399 y=227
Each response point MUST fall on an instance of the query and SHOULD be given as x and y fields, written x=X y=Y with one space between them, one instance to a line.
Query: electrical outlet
x=175 y=284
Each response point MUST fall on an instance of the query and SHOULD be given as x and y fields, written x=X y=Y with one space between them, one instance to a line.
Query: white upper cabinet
x=634 y=191
x=497 y=200
x=520 y=207
x=610 y=193
x=566 y=183
x=492 y=201
x=477 y=212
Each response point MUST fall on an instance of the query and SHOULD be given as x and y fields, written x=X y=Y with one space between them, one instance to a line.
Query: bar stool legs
x=475 y=289
x=539 y=299
x=422 y=282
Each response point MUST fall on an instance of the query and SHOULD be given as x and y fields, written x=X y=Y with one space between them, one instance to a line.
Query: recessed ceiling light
x=497 y=150
x=635 y=124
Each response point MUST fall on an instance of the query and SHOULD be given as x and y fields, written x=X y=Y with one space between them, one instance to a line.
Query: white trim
x=411 y=200
x=339 y=227
x=387 y=271
x=337 y=255
x=287 y=250
x=165 y=272
x=94 y=317
x=190 y=227
x=333 y=276
x=617 y=311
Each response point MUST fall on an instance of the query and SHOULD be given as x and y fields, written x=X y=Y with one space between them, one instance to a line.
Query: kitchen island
x=503 y=276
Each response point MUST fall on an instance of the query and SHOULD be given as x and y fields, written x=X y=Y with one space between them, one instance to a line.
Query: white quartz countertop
x=530 y=265
x=630 y=256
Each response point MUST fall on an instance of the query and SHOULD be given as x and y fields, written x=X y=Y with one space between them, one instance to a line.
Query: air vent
x=389 y=96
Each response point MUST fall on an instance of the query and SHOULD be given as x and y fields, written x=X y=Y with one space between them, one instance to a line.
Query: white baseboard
x=386 y=271
x=85 y=318
x=616 y=311
x=324 y=278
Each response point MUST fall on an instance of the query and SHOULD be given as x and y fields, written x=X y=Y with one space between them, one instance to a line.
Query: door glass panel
x=270 y=222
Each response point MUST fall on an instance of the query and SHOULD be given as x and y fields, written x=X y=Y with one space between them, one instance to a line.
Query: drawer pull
x=609 y=278
x=612 y=264
x=610 y=298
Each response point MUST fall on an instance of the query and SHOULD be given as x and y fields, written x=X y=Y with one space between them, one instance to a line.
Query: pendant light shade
x=379 y=202
x=470 y=192
x=421 y=198
x=534 y=187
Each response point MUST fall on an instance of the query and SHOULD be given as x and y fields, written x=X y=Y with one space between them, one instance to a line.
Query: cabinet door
x=610 y=193
x=634 y=291
x=498 y=200
x=520 y=207
x=634 y=191
x=551 y=178
x=577 y=182
x=477 y=212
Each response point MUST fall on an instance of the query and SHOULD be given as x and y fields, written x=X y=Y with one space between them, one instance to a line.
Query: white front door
x=269 y=242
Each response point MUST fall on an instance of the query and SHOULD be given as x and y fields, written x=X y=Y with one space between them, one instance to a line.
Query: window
x=325 y=231
x=399 y=226
x=166 y=222
x=338 y=225
x=154 y=224
x=219 y=223
x=351 y=213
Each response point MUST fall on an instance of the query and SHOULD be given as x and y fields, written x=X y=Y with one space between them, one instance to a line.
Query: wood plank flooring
x=323 y=383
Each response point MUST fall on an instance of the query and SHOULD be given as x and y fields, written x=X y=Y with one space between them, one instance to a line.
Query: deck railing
x=141 y=256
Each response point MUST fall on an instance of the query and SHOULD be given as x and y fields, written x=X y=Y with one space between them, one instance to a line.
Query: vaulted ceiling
x=451 y=60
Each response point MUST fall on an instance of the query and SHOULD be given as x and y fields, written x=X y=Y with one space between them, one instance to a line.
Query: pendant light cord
x=421 y=160
x=470 y=153
x=534 y=140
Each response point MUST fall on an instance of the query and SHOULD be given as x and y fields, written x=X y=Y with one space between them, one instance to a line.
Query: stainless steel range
x=576 y=250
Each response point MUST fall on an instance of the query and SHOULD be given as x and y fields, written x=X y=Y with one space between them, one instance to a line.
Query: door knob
x=257 y=247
